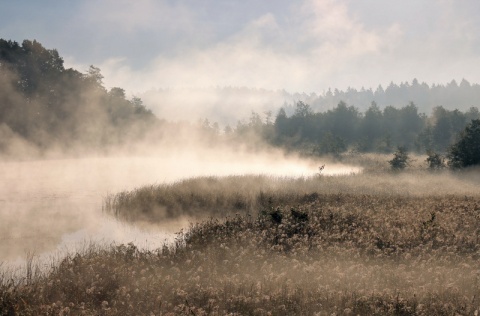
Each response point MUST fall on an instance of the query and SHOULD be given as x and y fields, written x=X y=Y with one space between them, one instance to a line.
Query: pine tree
x=400 y=159
x=466 y=151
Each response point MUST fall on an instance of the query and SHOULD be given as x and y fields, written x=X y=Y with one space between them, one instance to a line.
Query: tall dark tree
x=371 y=129
x=411 y=123
x=466 y=151
x=281 y=126
x=343 y=121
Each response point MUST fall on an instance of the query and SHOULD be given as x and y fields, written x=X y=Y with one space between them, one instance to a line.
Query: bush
x=466 y=152
x=435 y=161
x=400 y=159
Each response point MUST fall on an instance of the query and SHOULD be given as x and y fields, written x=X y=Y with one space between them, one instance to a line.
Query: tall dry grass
x=218 y=197
x=329 y=253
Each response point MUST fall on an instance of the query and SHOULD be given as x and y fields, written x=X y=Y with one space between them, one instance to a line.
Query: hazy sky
x=302 y=46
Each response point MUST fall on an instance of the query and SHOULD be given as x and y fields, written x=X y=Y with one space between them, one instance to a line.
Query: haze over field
x=65 y=196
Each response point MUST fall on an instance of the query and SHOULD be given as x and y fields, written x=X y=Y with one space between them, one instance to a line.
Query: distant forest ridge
x=226 y=105
x=453 y=95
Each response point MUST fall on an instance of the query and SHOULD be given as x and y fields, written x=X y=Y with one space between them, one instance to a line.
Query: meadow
x=373 y=243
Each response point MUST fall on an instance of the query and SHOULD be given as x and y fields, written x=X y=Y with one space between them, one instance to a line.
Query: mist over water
x=55 y=205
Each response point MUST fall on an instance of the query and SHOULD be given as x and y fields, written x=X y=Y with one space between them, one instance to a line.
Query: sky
x=300 y=46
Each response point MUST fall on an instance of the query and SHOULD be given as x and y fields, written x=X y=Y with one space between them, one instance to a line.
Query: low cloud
x=315 y=45
x=300 y=54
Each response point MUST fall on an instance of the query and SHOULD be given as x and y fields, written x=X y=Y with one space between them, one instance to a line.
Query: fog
x=222 y=105
x=55 y=204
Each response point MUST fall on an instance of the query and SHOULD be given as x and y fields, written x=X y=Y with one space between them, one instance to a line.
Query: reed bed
x=225 y=196
x=322 y=254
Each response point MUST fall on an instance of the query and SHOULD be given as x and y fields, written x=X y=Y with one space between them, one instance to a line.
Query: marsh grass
x=333 y=253
x=226 y=196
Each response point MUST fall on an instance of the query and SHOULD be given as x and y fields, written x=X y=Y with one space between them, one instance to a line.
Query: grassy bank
x=326 y=253
x=223 y=196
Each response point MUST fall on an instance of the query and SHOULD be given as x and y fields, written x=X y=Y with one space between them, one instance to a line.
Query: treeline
x=44 y=104
x=346 y=128
x=47 y=105
x=225 y=104
x=452 y=95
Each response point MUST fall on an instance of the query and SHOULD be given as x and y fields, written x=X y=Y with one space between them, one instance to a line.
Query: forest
x=346 y=128
x=451 y=95
x=47 y=105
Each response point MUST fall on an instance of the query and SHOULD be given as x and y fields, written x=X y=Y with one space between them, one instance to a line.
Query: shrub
x=400 y=159
x=435 y=161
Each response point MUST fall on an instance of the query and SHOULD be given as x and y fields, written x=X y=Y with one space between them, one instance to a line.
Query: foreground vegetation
x=383 y=248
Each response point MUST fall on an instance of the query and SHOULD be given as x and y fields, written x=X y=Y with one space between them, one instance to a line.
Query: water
x=53 y=206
